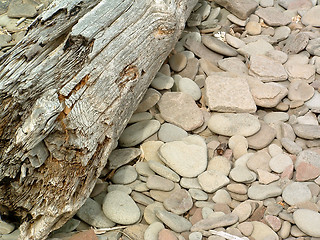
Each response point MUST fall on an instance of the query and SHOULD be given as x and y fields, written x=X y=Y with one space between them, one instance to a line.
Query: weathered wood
x=67 y=91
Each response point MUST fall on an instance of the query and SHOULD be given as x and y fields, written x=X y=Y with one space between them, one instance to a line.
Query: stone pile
x=226 y=141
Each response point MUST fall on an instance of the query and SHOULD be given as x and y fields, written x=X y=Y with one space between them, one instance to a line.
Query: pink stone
x=287 y=173
x=274 y=222
x=306 y=171
x=265 y=177
x=166 y=234
x=197 y=216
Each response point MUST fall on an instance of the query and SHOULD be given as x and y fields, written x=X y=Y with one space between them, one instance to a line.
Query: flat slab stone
x=260 y=47
x=266 y=94
x=273 y=16
x=215 y=222
x=233 y=65
x=228 y=93
x=296 y=43
x=229 y=124
x=300 y=90
x=188 y=157
x=120 y=157
x=179 y=202
x=173 y=221
x=240 y=8
x=262 y=231
x=267 y=69
x=212 y=180
x=180 y=109
x=218 y=46
x=307 y=221
x=311 y=17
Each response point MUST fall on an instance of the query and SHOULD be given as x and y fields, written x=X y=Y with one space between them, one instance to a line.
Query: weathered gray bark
x=67 y=91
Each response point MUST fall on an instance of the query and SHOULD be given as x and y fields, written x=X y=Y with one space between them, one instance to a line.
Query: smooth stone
x=215 y=222
x=273 y=16
x=180 y=109
x=233 y=65
x=308 y=221
x=262 y=138
x=138 y=117
x=156 y=182
x=190 y=183
x=253 y=28
x=267 y=69
x=234 y=41
x=228 y=93
x=266 y=3
x=307 y=131
x=188 y=157
x=198 y=194
x=300 y=90
x=220 y=164
x=280 y=162
x=125 y=175
x=290 y=146
x=314 y=102
x=150 y=150
x=195 y=236
x=141 y=198
x=274 y=150
x=266 y=94
x=212 y=180
x=135 y=231
x=161 y=82
x=246 y=228
x=196 y=46
x=137 y=132
x=186 y=85
x=222 y=196
x=120 y=208
x=274 y=117
x=149 y=213
x=303 y=72
x=218 y=46
x=150 y=98
x=169 y=132
x=152 y=232
x=229 y=124
x=120 y=157
x=91 y=213
x=163 y=171
x=240 y=8
x=191 y=70
x=296 y=192
x=173 y=221
x=160 y=196
x=178 y=62
x=296 y=43
x=309 y=118
x=69 y=226
x=238 y=188
x=314 y=46
x=281 y=33
x=259 y=47
x=118 y=187
x=208 y=67
x=262 y=231
x=261 y=192
x=236 y=20
x=311 y=17
x=143 y=168
x=6 y=228
x=179 y=202
x=243 y=211
x=242 y=174
x=166 y=234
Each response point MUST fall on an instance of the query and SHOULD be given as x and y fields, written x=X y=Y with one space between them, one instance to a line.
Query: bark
x=67 y=91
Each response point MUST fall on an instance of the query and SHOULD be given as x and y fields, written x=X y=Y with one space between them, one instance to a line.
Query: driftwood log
x=67 y=91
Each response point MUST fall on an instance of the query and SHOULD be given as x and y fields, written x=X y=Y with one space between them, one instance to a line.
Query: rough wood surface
x=67 y=91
